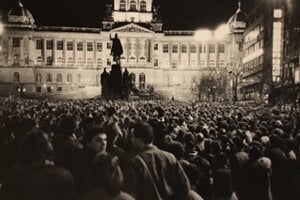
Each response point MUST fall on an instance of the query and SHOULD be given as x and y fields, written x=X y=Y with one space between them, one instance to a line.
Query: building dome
x=238 y=20
x=19 y=14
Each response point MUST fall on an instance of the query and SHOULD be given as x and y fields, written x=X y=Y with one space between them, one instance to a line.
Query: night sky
x=176 y=14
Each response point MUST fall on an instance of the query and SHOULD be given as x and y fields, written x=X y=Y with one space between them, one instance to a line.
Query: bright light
x=203 y=35
x=222 y=31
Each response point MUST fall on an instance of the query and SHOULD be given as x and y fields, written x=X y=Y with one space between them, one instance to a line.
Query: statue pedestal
x=115 y=82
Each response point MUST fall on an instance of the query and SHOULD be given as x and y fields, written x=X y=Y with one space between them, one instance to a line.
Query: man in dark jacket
x=158 y=174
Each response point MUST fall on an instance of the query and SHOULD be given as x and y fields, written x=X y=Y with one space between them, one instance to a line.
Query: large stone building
x=47 y=60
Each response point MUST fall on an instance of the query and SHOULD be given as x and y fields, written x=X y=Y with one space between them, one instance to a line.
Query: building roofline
x=69 y=29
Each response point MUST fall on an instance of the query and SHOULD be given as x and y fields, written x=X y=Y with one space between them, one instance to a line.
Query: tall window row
x=212 y=48
x=70 y=45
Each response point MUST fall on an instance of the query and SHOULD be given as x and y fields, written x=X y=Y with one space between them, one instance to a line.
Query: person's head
x=106 y=174
x=142 y=135
x=116 y=35
x=67 y=125
x=36 y=147
x=96 y=139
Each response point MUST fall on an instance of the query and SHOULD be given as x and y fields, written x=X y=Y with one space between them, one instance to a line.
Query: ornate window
x=60 y=61
x=89 y=46
x=143 y=6
x=49 y=60
x=99 y=47
x=49 y=78
x=221 y=63
x=142 y=59
x=212 y=63
x=142 y=80
x=39 y=44
x=174 y=48
x=99 y=62
x=16 y=42
x=132 y=5
x=79 y=46
x=221 y=48
x=49 y=44
x=122 y=5
x=16 y=59
x=193 y=48
x=38 y=78
x=59 y=45
x=70 y=62
x=132 y=79
x=16 y=77
x=90 y=62
x=69 y=78
x=80 y=62
x=165 y=48
x=59 y=78
x=211 y=48
x=39 y=60
x=70 y=46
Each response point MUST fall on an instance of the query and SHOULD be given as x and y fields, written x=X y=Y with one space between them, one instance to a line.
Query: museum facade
x=47 y=60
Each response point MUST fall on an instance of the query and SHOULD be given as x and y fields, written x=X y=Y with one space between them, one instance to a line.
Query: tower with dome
x=67 y=61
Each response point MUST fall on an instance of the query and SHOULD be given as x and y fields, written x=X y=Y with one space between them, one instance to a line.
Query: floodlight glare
x=203 y=35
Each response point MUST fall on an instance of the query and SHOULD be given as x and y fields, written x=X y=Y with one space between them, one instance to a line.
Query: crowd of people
x=156 y=150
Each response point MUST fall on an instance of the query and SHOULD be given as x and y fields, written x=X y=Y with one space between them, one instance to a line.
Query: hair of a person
x=106 y=174
x=36 y=147
x=143 y=131
x=91 y=133
x=67 y=125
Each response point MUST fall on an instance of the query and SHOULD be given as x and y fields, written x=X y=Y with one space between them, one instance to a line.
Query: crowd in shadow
x=96 y=149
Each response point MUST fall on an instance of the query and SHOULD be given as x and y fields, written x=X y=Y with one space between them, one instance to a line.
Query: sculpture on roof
x=108 y=12
x=156 y=13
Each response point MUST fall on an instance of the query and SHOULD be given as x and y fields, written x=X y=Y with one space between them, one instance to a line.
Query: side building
x=68 y=61
x=264 y=51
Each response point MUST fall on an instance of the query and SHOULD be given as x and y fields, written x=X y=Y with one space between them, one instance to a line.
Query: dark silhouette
x=126 y=84
x=117 y=49
x=105 y=84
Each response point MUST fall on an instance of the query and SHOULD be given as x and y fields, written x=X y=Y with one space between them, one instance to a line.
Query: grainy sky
x=176 y=14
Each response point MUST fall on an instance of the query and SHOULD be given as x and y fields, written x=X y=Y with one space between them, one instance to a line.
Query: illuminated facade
x=40 y=60
x=263 y=50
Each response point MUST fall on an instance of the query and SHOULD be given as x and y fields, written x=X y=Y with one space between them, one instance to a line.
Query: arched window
x=16 y=59
x=59 y=78
x=142 y=80
x=89 y=62
x=49 y=78
x=142 y=59
x=99 y=62
x=70 y=62
x=60 y=61
x=80 y=62
x=38 y=78
x=39 y=60
x=16 y=77
x=132 y=79
x=132 y=59
x=132 y=5
x=221 y=63
x=49 y=60
x=212 y=63
x=122 y=5
x=69 y=78
x=143 y=6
